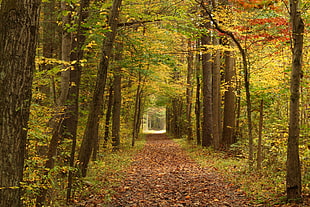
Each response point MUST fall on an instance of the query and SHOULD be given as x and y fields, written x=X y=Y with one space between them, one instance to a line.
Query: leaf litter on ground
x=162 y=174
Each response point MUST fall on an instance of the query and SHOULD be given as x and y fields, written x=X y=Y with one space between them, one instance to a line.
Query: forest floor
x=162 y=174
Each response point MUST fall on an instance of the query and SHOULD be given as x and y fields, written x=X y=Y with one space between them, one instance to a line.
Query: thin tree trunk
x=72 y=109
x=96 y=105
x=65 y=55
x=18 y=37
x=136 y=112
x=216 y=96
x=116 y=113
x=198 y=102
x=189 y=92
x=260 y=132
x=293 y=177
x=108 y=116
x=52 y=149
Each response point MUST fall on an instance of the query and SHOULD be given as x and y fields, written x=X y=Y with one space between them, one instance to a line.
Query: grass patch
x=266 y=187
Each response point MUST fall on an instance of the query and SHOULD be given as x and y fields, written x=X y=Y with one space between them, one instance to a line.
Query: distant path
x=164 y=175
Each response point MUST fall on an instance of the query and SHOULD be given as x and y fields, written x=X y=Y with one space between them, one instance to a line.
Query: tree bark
x=229 y=102
x=293 y=177
x=136 y=120
x=198 y=101
x=66 y=44
x=72 y=108
x=189 y=92
x=216 y=96
x=108 y=116
x=116 y=109
x=207 y=121
x=96 y=105
x=18 y=36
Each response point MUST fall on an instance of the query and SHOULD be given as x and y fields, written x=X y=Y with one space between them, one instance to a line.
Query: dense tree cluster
x=228 y=74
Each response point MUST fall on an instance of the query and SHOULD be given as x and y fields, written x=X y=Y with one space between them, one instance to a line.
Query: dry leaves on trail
x=162 y=174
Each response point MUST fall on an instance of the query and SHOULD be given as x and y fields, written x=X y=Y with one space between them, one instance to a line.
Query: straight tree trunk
x=207 y=121
x=96 y=105
x=72 y=109
x=116 y=109
x=18 y=36
x=216 y=96
x=246 y=79
x=260 y=134
x=293 y=177
x=198 y=102
x=65 y=54
x=229 y=102
x=135 y=130
x=108 y=116
x=189 y=92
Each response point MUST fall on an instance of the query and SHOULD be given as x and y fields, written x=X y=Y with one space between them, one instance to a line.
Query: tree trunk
x=216 y=96
x=96 y=105
x=189 y=92
x=207 y=121
x=229 y=102
x=116 y=113
x=260 y=134
x=198 y=102
x=18 y=36
x=50 y=46
x=72 y=110
x=136 y=119
x=108 y=116
x=293 y=177
x=65 y=55
x=246 y=79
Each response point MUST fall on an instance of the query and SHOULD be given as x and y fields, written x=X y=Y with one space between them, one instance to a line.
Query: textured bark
x=18 y=36
x=96 y=105
x=207 y=121
x=198 y=101
x=65 y=54
x=246 y=76
x=189 y=91
x=108 y=116
x=293 y=177
x=137 y=109
x=116 y=109
x=216 y=97
x=229 y=102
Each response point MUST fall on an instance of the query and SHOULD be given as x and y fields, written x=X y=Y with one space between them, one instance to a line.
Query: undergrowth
x=106 y=173
x=265 y=187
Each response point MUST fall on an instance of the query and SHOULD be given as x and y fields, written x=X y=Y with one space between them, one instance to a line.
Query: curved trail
x=162 y=174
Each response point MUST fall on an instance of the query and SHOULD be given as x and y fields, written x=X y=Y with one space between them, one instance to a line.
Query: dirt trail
x=164 y=175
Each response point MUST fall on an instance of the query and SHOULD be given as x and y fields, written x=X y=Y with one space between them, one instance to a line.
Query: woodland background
x=217 y=72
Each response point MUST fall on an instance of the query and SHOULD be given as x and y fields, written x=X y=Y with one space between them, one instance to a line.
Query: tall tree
x=189 y=91
x=96 y=105
x=207 y=121
x=18 y=36
x=229 y=102
x=117 y=97
x=293 y=177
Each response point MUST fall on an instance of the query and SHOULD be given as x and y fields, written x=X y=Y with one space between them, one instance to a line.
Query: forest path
x=162 y=174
